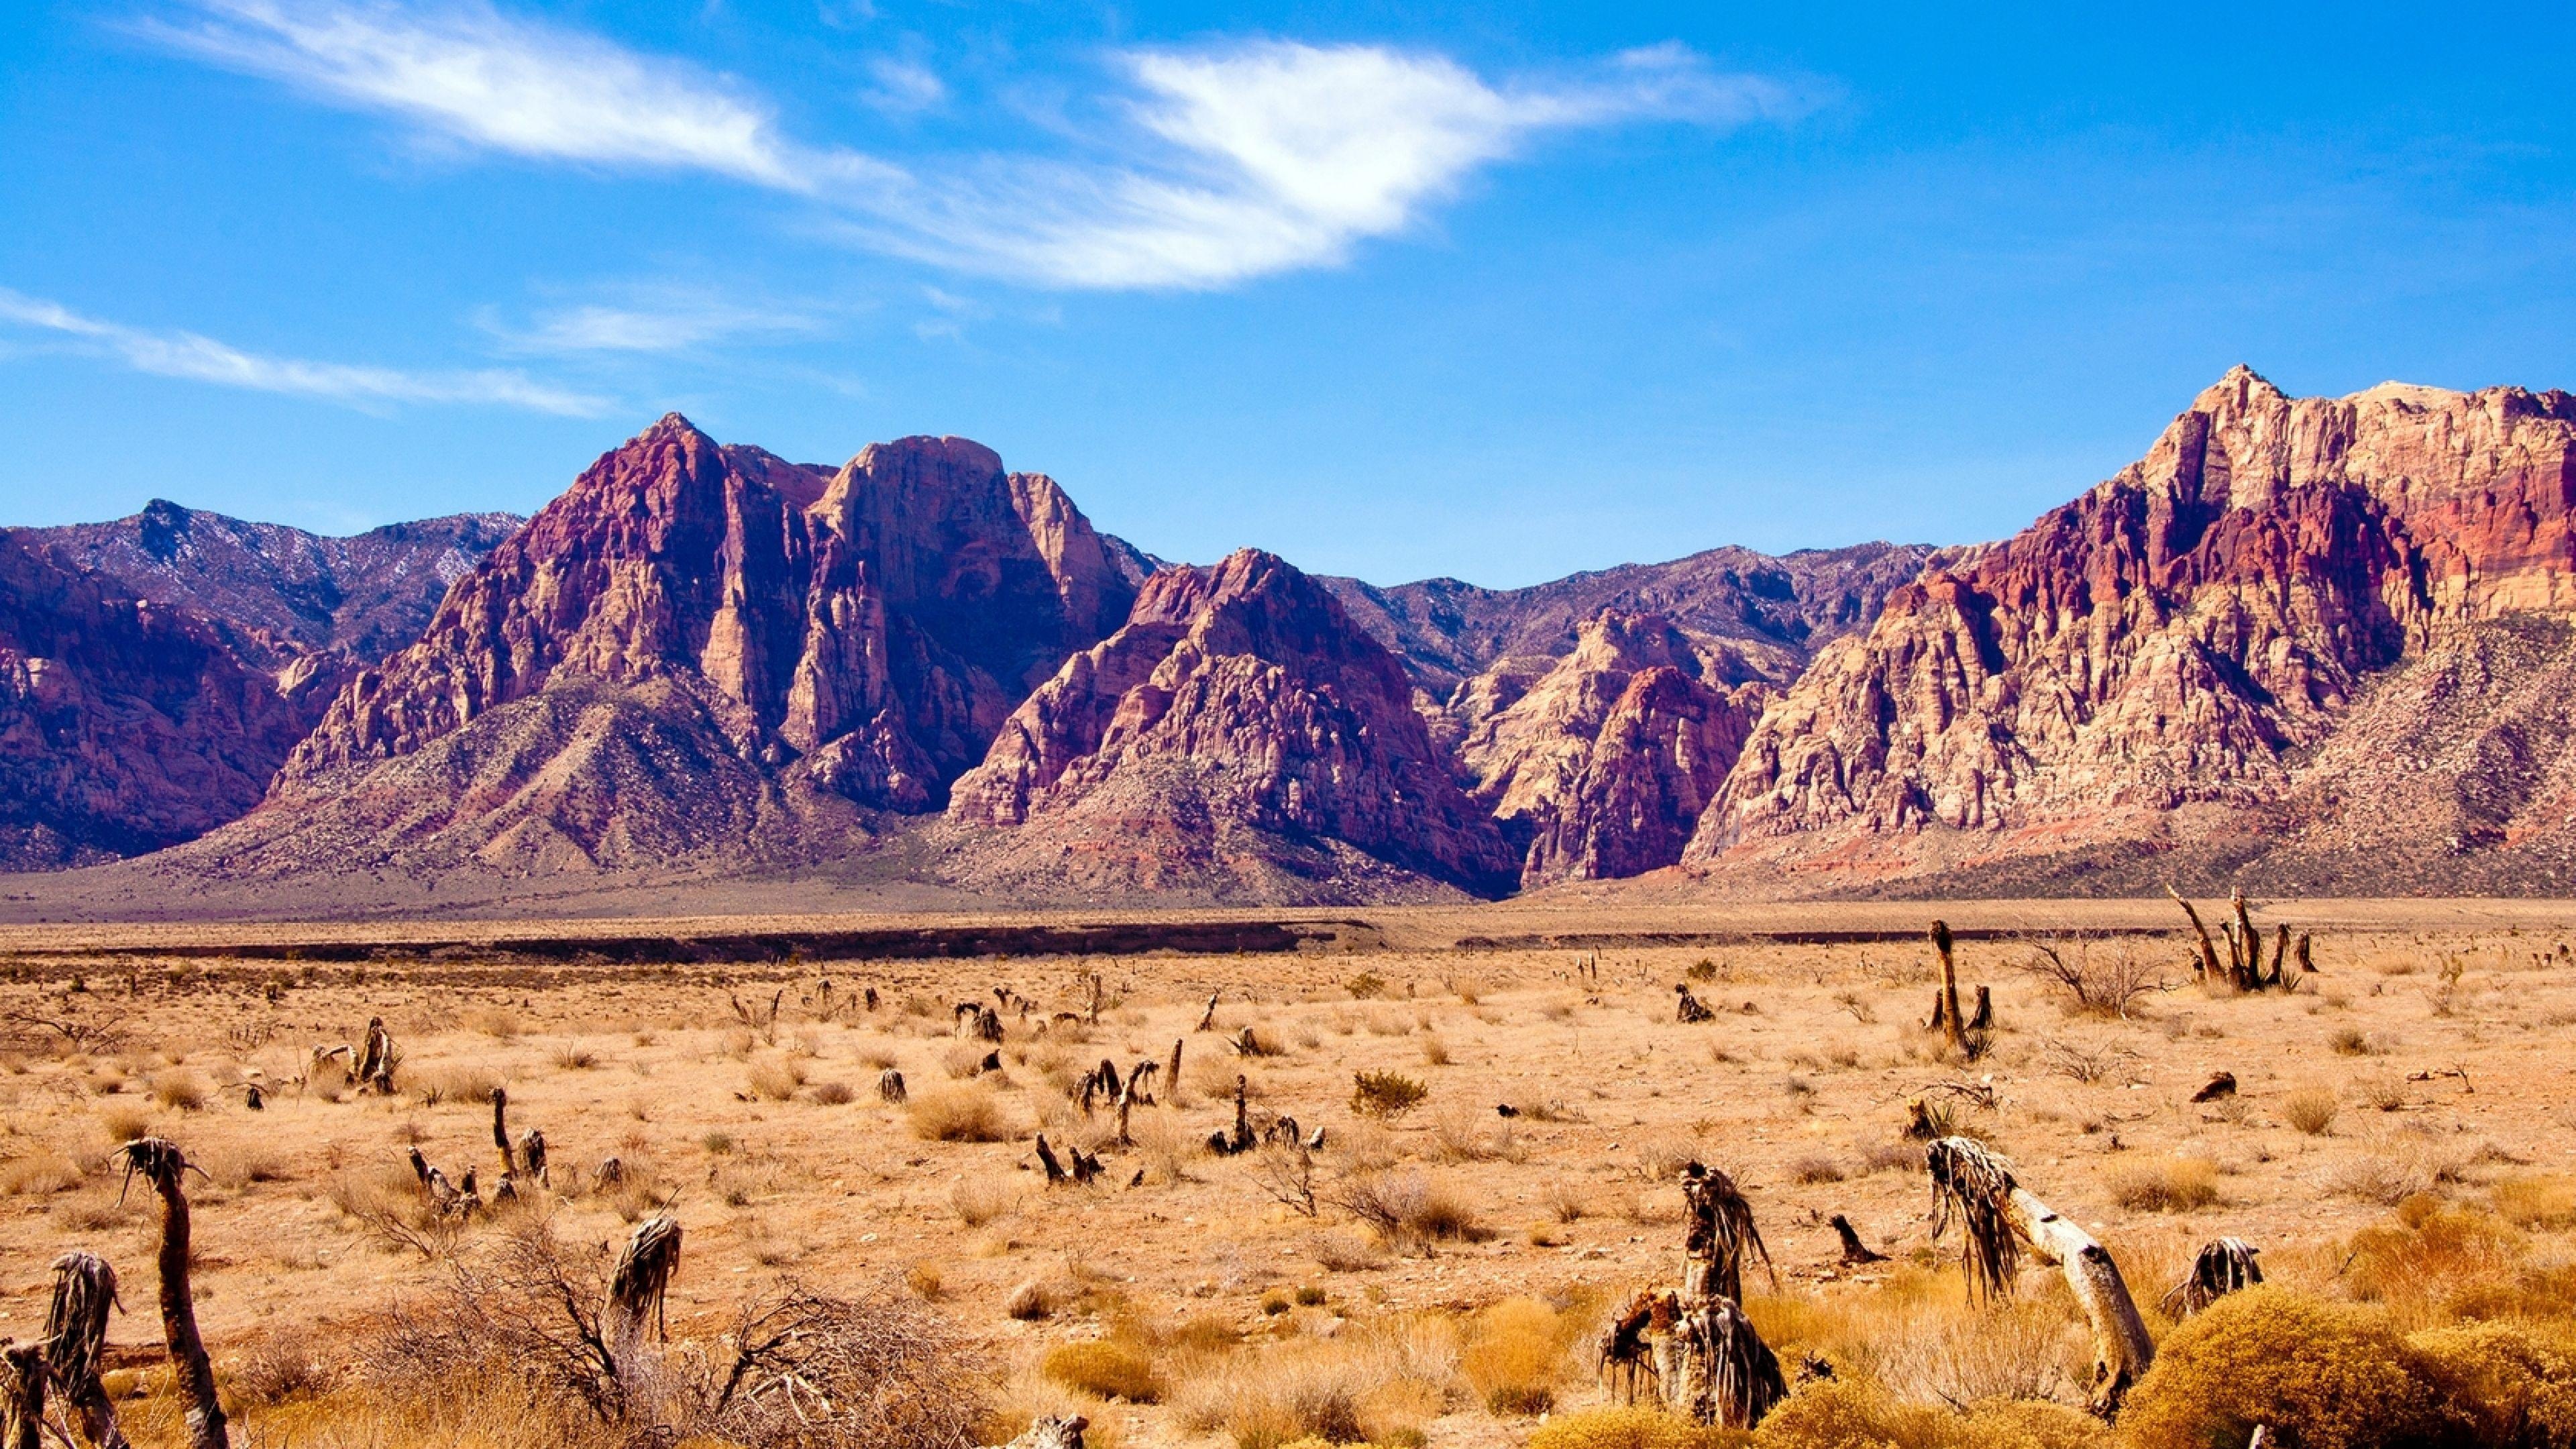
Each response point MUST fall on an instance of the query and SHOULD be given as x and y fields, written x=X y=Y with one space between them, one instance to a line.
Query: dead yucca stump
x=639 y=1284
x=2223 y=1266
x=76 y=1342
x=1975 y=1189
x=1695 y=1348
x=1051 y=1432
x=22 y=1395
x=164 y=1168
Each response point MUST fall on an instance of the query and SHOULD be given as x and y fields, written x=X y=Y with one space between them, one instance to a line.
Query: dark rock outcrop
x=1239 y=736
x=125 y=725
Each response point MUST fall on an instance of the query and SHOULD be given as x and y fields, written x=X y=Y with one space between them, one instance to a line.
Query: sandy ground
x=2437 y=1027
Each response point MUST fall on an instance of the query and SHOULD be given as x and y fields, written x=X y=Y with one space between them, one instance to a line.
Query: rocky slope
x=702 y=651
x=125 y=725
x=277 y=593
x=1603 y=766
x=1239 y=736
x=2162 y=664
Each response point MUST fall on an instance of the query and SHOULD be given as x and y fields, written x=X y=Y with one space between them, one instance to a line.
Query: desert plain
x=1435 y=1272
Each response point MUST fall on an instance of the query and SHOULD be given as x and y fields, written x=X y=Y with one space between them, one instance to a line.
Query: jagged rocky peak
x=2173 y=639
x=866 y=632
x=1603 y=765
x=1239 y=724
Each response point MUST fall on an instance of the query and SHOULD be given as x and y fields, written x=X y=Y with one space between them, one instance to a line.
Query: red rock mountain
x=1240 y=735
x=1603 y=766
x=701 y=648
x=125 y=725
x=2167 y=662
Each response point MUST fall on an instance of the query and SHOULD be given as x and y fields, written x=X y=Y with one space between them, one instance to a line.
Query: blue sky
x=1495 y=290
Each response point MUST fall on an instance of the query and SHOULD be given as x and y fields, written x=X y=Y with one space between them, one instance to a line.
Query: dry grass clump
x=2436 y=1255
x=1409 y=1208
x=775 y=1079
x=961 y=1113
x=2545 y=1201
x=1918 y=1336
x=120 y=1125
x=180 y=1090
x=2352 y=1041
x=38 y=1172
x=1515 y=1355
x=1375 y=1383
x=2164 y=1185
x=1106 y=1369
x=979 y=1200
x=1626 y=1427
x=1458 y=1134
x=2399 y=1166
x=1847 y=1415
x=455 y=1082
x=833 y=1094
x=2310 y=1109
x=1815 y=1169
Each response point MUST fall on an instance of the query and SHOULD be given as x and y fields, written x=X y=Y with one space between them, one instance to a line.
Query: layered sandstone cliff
x=701 y=648
x=2180 y=637
x=1238 y=736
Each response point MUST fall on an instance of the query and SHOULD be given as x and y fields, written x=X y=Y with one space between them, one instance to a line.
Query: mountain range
x=2311 y=644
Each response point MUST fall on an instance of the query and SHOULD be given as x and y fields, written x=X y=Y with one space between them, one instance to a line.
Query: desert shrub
x=1628 y=1427
x=793 y=1370
x=276 y=1369
x=1375 y=1383
x=2351 y=1041
x=572 y=1056
x=2399 y=1166
x=120 y=1125
x=957 y=1114
x=1515 y=1354
x=2431 y=1253
x=39 y=1172
x=2499 y=1385
x=1366 y=986
x=1815 y=1169
x=2167 y=1185
x=834 y=1094
x=454 y=1083
x=2546 y=1201
x=2322 y=1376
x=180 y=1090
x=2310 y=1109
x=1409 y=1207
x=776 y=1079
x=1837 y=1414
x=1385 y=1094
x=979 y=1200
x=1107 y=1369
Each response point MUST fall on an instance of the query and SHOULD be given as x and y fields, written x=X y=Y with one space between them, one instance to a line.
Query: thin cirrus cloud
x=203 y=359
x=1207 y=167
x=650 y=321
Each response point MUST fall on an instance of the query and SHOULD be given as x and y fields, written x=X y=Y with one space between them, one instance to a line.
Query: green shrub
x=2322 y=1376
x=1385 y=1094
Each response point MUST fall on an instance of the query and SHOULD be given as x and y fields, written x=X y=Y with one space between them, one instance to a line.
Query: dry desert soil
x=2424 y=1060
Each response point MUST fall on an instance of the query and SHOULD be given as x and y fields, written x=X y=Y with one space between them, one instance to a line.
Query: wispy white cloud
x=1215 y=165
x=651 y=320
x=903 y=87
x=203 y=359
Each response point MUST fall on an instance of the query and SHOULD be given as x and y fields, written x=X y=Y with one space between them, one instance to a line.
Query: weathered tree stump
x=76 y=1343
x=163 y=1167
x=1695 y=1348
x=1855 y=1252
x=1997 y=1216
x=2223 y=1266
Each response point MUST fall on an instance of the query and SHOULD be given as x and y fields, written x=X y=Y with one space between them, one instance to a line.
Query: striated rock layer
x=2157 y=661
x=1604 y=765
x=701 y=648
x=1239 y=735
x=125 y=725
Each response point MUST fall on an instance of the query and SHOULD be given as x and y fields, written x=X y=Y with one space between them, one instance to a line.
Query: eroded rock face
x=1538 y=762
x=1239 y=730
x=857 y=636
x=2170 y=639
x=125 y=726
